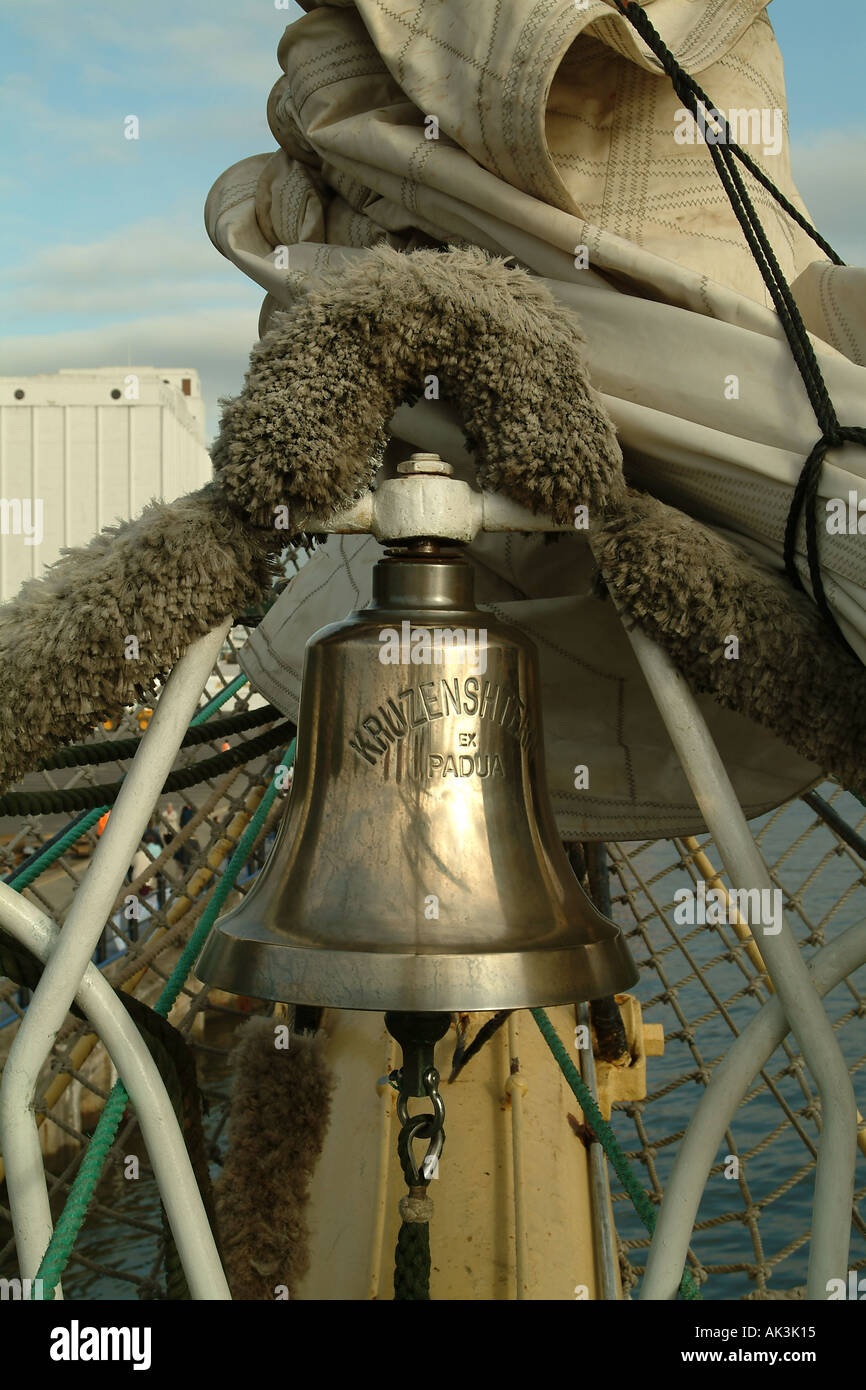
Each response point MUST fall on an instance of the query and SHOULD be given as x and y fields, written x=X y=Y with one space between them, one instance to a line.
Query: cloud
x=44 y=130
x=168 y=261
x=215 y=342
x=49 y=137
x=87 y=290
x=197 y=80
x=169 y=41
x=828 y=173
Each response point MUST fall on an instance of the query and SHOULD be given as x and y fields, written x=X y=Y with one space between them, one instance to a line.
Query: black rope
x=119 y=749
x=687 y=89
x=87 y=798
x=484 y=1034
x=725 y=153
x=831 y=817
x=806 y=496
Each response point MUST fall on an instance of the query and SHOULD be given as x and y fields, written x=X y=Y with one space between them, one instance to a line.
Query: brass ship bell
x=418 y=866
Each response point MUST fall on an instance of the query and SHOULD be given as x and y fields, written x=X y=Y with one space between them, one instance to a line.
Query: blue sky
x=103 y=254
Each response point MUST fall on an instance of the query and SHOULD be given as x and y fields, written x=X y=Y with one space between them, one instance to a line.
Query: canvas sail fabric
x=556 y=142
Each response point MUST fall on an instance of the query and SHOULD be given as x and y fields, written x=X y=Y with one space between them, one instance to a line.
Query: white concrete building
x=82 y=449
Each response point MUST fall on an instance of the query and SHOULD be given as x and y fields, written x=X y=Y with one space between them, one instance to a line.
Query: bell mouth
x=382 y=981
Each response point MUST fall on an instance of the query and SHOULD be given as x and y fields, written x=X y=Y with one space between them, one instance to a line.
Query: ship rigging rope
x=412 y=1253
x=830 y=816
x=725 y=152
x=53 y=849
x=119 y=749
x=106 y=793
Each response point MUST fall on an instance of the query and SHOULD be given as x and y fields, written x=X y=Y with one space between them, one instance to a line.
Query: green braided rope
x=23 y=879
x=69 y=1223
x=412 y=1261
x=119 y=749
x=218 y=701
x=608 y=1140
x=60 y=1245
x=173 y=1056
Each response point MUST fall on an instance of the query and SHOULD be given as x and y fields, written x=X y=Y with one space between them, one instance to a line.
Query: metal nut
x=426 y=463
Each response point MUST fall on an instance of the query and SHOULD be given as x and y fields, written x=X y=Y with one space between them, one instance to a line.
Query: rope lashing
x=606 y=1137
x=416 y=1209
x=725 y=153
x=69 y=1223
x=103 y=796
x=806 y=494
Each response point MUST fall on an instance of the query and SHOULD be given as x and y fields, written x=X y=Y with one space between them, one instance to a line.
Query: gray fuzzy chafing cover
x=307 y=432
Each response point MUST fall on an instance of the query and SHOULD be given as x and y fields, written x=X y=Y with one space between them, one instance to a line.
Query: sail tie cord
x=725 y=153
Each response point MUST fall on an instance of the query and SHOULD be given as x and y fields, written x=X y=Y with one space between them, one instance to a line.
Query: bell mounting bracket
x=427 y=500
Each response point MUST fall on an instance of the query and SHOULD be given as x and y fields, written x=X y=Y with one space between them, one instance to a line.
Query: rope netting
x=122 y=1249
x=702 y=982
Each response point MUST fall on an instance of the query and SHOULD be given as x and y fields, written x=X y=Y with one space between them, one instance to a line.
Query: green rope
x=69 y=1223
x=606 y=1137
x=174 y=983
x=22 y=880
x=412 y=1262
x=218 y=700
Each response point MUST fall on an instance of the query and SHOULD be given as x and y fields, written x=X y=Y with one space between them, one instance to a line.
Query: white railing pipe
x=728 y=1086
x=140 y=1075
x=85 y=921
x=712 y=789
